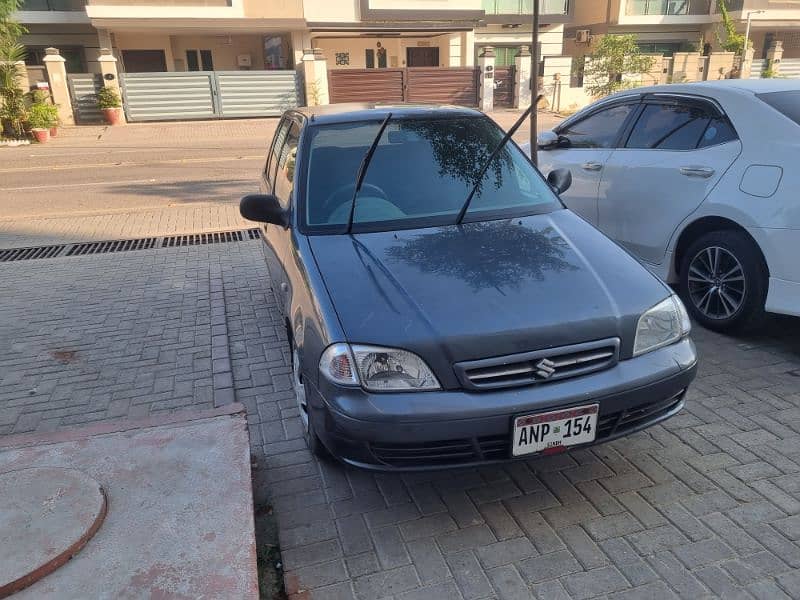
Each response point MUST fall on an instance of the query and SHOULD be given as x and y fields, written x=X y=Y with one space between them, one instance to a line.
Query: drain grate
x=113 y=246
x=105 y=247
x=13 y=254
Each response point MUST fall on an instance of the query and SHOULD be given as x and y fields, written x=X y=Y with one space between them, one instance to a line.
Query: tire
x=312 y=439
x=724 y=281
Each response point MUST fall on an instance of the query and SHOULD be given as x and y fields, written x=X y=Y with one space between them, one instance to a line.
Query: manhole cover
x=46 y=516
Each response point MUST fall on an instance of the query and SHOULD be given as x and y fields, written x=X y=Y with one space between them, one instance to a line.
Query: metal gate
x=366 y=85
x=208 y=94
x=414 y=84
x=83 y=88
x=790 y=68
x=504 y=87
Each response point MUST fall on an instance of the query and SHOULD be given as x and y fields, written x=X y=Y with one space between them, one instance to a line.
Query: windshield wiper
x=492 y=156
x=362 y=170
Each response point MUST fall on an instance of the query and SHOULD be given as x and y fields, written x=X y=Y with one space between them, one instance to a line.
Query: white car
x=701 y=182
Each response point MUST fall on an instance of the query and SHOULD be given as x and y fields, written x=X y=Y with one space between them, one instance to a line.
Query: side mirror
x=263 y=208
x=547 y=140
x=560 y=180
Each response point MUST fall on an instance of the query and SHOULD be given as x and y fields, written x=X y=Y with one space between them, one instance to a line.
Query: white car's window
x=600 y=130
x=678 y=127
x=787 y=103
x=669 y=127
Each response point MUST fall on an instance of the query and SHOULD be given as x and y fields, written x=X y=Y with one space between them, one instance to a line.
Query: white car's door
x=673 y=157
x=585 y=146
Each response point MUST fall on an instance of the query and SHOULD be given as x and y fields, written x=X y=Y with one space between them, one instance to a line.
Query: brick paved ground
x=707 y=505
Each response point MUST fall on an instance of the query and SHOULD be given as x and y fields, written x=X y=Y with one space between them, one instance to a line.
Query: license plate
x=565 y=427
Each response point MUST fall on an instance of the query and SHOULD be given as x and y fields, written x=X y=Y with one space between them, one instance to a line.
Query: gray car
x=442 y=306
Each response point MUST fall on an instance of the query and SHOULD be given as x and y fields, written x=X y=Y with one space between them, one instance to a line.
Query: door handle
x=704 y=172
x=592 y=166
x=284 y=287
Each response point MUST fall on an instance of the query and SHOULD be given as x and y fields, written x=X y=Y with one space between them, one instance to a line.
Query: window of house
x=199 y=60
x=73 y=55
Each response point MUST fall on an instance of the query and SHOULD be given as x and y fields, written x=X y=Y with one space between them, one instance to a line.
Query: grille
x=542 y=366
x=105 y=247
x=498 y=447
x=14 y=254
x=113 y=246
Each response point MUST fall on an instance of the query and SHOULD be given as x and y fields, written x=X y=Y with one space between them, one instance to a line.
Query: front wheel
x=312 y=440
x=724 y=281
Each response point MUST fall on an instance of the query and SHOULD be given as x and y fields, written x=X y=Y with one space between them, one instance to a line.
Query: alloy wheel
x=299 y=389
x=716 y=283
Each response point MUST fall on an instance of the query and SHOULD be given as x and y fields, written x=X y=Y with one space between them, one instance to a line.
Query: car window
x=420 y=175
x=277 y=145
x=600 y=130
x=286 y=159
x=719 y=131
x=669 y=127
x=787 y=103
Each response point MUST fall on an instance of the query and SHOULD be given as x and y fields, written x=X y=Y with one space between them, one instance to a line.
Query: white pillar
x=468 y=48
x=300 y=40
x=774 y=56
x=522 y=78
x=108 y=69
x=315 y=77
x=486 y=81
x=59 y=89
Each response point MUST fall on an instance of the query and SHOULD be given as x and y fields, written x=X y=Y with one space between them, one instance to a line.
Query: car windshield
x=420 y=175
x=787 y=103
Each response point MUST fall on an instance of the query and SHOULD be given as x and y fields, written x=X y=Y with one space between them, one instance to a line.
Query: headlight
x=377 y=369
x=665 y=323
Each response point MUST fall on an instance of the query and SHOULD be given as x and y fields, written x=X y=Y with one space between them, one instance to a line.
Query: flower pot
x=41 y=135
x=53 y=132
x=112 y=115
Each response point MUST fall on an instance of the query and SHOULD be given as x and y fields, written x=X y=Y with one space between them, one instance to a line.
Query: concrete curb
x=82 y=433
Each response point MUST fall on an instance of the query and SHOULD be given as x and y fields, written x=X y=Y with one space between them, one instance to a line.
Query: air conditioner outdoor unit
x=582 y=36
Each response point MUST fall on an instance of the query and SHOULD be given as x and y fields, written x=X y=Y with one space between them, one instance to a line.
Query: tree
x=614 y=57
x=733 y=40
x=12 y=97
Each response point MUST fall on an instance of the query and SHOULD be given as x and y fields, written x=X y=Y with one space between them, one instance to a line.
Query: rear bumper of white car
x=780 y=248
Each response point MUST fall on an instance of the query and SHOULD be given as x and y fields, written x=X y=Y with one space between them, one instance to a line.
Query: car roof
x=371 y=111
x=752 y=86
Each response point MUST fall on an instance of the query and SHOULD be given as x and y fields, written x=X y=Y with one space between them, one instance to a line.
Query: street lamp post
x=535 y=81
x=747 y=30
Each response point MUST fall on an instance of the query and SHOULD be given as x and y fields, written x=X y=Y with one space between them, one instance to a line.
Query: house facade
x=241 y=35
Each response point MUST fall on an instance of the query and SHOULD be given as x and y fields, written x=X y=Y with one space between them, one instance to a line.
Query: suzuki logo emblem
x=545 y=368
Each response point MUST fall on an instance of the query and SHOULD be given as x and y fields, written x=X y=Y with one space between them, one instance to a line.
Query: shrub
x=108 y=98
x=42 y=116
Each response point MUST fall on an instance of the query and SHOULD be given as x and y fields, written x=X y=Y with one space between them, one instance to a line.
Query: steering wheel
x=331 y=204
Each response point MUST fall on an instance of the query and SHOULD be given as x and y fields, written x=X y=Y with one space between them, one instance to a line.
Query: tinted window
x=277 y=144
x=669 y=127
x=420 y=175
x=600 y=130
x=719 y=131
x=787 y=103
x=284 y=180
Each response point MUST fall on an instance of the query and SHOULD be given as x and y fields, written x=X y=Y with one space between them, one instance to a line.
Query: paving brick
x=548 y=566
x=466 y=539
x=443 y=591
x=680 y=579
x=720 y=583
x=500 y=520
x=469 y=575
x=657 y=540
x=508 y=583
x=542 y=535
x=613 y=526
x=652 y=591
x=588 y=584
x=386 y=583
x=427 y=526
x=703 y=553
x=428 y=560
x=505 y=552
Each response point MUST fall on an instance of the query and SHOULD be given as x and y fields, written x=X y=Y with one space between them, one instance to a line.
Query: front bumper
x=426 y=430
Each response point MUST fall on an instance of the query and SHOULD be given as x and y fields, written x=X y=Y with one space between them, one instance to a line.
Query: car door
x=584 y=147
x=278 y=180
x=673 y=156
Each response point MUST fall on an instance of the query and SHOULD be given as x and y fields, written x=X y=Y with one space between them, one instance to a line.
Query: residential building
x=779 y=21
x=189 y=35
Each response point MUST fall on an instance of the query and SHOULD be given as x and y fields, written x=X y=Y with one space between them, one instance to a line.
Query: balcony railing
x=525 y=7
x=59 y=5
x=636 y=8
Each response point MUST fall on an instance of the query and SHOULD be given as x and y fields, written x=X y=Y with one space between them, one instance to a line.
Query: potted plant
x=41 y=117
x=109 y=102
x=37 y=97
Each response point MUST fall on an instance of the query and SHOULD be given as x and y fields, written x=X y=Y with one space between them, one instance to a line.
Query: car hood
x=485 y=289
